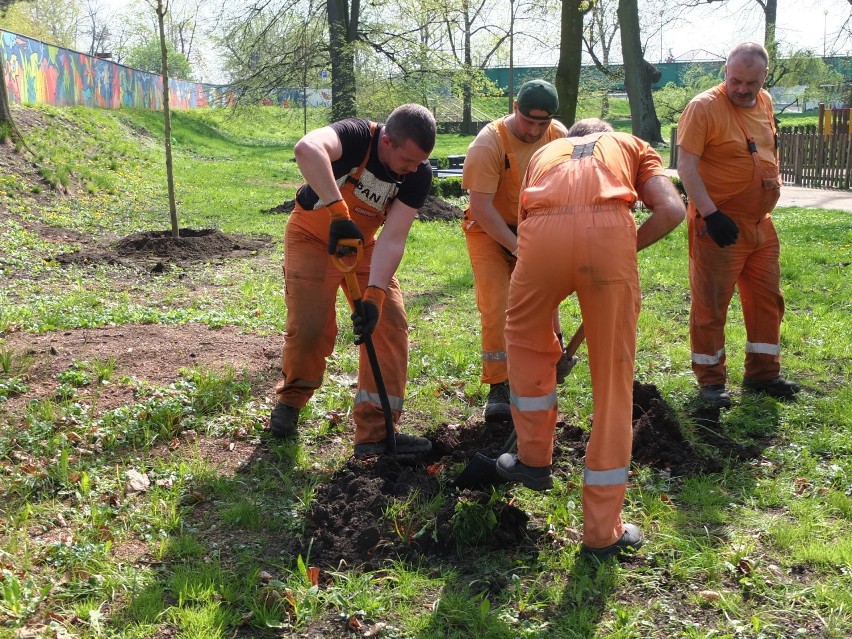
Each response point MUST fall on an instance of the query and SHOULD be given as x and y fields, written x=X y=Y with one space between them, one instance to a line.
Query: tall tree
x=598 y=35
x=474 y=40
x=7 y=123
x=343 y=20
x=268 y=51
x=570 y=57
x=639 y=75
x=94 y=32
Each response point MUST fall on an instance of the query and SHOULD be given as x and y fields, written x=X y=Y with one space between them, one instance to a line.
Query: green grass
x=758 y=550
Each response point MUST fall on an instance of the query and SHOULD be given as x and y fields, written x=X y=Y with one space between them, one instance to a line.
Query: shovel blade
x=480 y=473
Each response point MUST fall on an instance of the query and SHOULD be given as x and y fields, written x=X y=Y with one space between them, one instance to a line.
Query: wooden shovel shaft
x=576 y=340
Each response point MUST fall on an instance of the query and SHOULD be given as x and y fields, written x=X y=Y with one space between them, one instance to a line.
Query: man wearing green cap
x=493 y=169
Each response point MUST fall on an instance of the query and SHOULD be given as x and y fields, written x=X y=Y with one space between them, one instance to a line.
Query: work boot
x=564 y=366
x=283 y=420
x=715 y=395
x=778 y=387
x=630 y=541
x=497 y=406
x=405 y=445
x=533 y=477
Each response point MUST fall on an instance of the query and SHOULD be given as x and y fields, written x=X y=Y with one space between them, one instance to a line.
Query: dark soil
x=158 y=250
x=347 y=515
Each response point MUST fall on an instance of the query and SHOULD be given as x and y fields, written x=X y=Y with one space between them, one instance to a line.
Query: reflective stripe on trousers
x=752 y=265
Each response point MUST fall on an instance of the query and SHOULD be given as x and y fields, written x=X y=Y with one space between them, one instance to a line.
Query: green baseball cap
x=538 y=95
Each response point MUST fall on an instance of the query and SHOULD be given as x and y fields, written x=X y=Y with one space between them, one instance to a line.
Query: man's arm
x=314 y=154
x=482 y=205
x=390 y=245
x=667 y=211
x=687 y=170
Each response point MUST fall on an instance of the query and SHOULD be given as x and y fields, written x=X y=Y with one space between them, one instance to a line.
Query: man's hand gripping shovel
x=481 y=471
x=346 y=259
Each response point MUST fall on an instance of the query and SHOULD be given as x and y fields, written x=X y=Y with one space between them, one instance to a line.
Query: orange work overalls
x=752 y=264
x=492 y=264
x=311 y=281
x=589 y=249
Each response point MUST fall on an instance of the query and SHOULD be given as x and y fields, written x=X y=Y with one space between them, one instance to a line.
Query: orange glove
x=371 y=304
x=338 y=210
x=342 y=227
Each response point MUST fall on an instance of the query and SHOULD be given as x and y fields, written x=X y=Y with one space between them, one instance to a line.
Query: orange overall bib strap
x=367 y=218
x=758 y=199
x=509 y=189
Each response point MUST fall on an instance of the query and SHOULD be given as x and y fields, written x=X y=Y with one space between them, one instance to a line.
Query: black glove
x=364 y=325
x=342 y=228
x=721 y=229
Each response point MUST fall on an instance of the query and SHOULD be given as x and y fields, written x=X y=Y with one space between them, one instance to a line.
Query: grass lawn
x=141 y=495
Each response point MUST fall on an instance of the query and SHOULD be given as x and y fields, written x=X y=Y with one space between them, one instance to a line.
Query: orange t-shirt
x=710 y=128
x=486 y=158
x=632 y=161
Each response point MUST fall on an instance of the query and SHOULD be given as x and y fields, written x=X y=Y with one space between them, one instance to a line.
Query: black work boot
x=283 y=420
x=533 y=477
x=778 y=387
x=497 y=406
x=630 y=541
x=715 y=395
x=405 y=445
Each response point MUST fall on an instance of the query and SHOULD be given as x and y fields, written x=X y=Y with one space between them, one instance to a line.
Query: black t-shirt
x=378 y=186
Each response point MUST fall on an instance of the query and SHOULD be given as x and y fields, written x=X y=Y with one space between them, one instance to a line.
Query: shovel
x=481 y=471
x=347 y=247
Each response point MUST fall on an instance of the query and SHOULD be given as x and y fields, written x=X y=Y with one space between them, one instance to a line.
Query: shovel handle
x=354 y=249
x=576 y=340
x=346 y=249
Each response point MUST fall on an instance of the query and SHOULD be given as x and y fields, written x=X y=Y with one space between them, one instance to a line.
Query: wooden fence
x=808 y=158
x=814 y=160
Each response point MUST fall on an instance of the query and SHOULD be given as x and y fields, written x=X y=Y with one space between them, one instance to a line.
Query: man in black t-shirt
x=359 y=176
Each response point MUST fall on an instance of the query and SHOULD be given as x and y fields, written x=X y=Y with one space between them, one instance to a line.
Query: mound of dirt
x=437 y=209
x=349 y=518
x=157 y=249
x=433 y=209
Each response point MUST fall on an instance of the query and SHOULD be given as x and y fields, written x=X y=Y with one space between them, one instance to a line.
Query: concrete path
x=815 y=198
x=809 y=198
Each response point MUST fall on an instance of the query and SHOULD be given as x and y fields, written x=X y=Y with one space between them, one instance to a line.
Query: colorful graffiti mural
x=38 y=72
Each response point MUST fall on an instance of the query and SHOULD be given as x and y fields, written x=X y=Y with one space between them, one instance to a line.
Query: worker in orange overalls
x=496 y=161
x=360 y=175
x=577 y=234
x=728 y=161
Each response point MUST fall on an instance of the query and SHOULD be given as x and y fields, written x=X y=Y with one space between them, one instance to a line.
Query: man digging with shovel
x=360 y=175
x=576 y=233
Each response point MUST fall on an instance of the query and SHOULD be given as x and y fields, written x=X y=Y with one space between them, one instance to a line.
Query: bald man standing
x=728 y=163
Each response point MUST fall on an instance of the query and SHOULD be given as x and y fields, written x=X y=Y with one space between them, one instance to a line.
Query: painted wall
x=38 y=72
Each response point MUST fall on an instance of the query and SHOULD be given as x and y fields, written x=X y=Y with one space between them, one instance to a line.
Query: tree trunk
x=167 y=120
x=467 y=88
x=770 y=10
x=343 y=32
x=511 y=87
x=570 y=59
x=6 y=121
x=638 y=75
